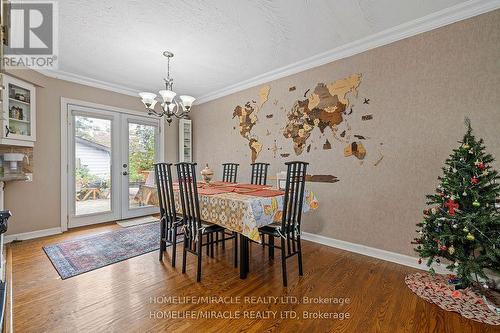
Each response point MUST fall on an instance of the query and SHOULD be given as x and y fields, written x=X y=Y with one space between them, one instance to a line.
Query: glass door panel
x=141 y=157
x=19 y=110
x=92 y=165
x=141 y=145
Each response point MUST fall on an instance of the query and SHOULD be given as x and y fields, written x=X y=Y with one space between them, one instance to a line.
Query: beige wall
x=36 y=205
x=421 y=88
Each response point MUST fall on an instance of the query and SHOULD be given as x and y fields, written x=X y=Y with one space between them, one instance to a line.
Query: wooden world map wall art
x=326 y=106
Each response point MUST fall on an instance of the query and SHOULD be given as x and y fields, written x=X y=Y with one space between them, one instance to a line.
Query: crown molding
x=435 y=20
x=87 y=81
x=432 y=21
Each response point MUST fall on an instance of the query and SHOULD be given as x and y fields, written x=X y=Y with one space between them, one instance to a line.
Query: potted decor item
x=207 y=174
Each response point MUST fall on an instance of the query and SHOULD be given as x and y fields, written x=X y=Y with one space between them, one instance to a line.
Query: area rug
x=137 y=221
x=88 y=253
x=467 y=302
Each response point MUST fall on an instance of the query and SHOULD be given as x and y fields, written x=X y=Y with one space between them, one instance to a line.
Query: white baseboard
x=373 y=252
x=32 y=234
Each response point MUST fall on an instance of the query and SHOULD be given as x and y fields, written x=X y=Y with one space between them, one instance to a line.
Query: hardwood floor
x=132 y=296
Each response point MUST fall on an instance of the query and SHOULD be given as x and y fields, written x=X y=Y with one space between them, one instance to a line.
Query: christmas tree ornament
x=451 y=205
x=465 y=229
x=465 y=146
x=464 y=194
x=470 y=237
x=471 y=151
x=451 y=250
x=481 y=166
x=485 y=173
x=474 y=180
x=455 y=226
x=476 y=203
x=443 y=248
x=456 y=264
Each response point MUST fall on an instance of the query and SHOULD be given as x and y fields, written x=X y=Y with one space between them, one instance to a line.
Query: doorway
x=110 y=161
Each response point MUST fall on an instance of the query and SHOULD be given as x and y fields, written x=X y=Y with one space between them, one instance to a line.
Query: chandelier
x=172 y=105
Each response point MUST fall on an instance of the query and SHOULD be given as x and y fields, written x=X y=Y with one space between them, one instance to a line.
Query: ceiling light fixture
x=172 y=106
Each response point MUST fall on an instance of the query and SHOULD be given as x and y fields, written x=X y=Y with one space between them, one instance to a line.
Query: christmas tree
x=462 y=224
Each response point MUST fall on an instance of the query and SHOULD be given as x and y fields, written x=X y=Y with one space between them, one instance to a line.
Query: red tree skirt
x=467 y=302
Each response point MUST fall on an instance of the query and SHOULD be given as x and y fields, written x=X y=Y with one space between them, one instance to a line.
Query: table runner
x=238 y=212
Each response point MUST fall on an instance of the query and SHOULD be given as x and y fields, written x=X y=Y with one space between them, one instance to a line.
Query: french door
x=111 y=157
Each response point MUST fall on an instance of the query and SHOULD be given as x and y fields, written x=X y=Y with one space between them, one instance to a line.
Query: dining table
x=238 y=207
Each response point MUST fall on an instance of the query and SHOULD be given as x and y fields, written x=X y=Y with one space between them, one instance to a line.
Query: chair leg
x=235 y=242
x=208 y=244
x=224 y=240
x=217 y=239
x=271 y=246
x=174 y=244
x=162 y=236
x=212 y=247
x=184 y=252
x=299 y=256
x=198 y=270
x=283 y=261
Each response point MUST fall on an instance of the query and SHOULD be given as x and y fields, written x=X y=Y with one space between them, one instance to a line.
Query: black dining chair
x=259 y=173
x=169 y=221
x=193 y=226
x=289 y=228
x=229 y=172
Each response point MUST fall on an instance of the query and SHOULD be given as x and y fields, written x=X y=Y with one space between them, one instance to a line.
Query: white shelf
x=19 y=120
x=18 y=101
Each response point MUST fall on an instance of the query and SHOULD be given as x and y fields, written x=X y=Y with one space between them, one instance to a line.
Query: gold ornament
x=465 y=146
x=470 y=237
x=451 y=249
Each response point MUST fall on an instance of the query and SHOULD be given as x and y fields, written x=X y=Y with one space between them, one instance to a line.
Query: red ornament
x=443 y=248
x=474 y=180
x=451 y=205
x=481 y=166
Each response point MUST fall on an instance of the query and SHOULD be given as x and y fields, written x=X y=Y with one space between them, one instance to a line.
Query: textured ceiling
x=216 y=43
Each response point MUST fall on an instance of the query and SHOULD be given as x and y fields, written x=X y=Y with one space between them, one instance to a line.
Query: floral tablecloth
x=242 y=213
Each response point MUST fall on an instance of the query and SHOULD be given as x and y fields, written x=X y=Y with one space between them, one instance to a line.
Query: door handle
x=125 y=173
x=124 y=165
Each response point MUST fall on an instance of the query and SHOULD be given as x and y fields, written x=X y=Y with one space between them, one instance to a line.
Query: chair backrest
x=229 y=172
x=188 y=192
x=259 y=173
x=163 y=177
x=293 y=202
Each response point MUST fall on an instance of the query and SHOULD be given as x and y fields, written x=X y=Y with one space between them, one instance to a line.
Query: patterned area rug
x=85 y=254
x=467 y=302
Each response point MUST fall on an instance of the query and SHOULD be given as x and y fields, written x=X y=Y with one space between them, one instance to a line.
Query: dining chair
x=193 y=226
x=229 y=172
x=259 y=173
x=169 y=221
x=289 y=229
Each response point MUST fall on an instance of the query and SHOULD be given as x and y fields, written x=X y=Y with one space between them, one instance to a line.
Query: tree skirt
x=467 y=302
